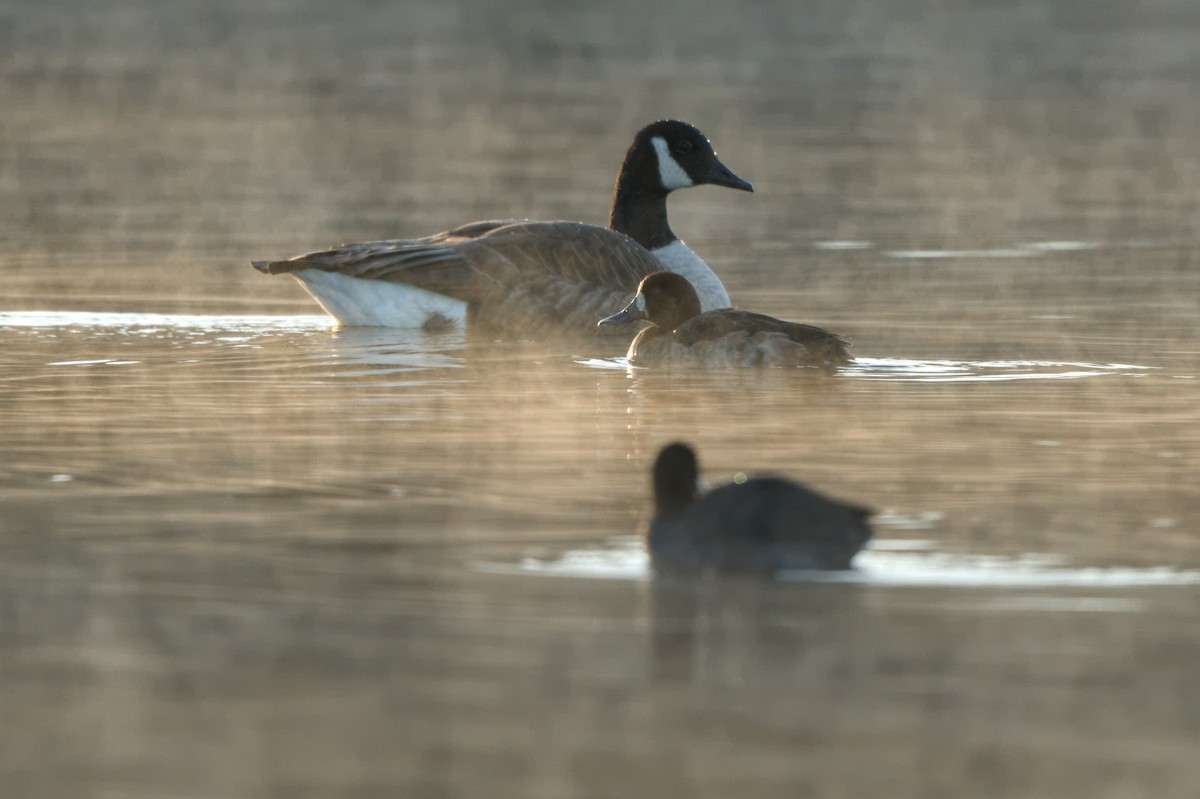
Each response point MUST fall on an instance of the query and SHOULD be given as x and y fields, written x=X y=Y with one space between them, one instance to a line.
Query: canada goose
x=761 y=524
x=680 y=331
x=521 y=278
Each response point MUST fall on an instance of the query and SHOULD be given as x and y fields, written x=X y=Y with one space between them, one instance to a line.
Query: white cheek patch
x=670 y=172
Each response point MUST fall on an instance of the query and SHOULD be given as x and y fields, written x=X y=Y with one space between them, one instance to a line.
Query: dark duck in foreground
x=762 y=525
x=528 y=279
x=681 y=331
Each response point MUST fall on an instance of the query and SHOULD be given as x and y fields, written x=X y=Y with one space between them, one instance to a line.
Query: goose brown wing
x=468 y=262
x=536 y=278
x=572 y=251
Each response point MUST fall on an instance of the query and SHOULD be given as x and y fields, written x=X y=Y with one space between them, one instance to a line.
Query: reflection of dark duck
x=528 y=279
x=680 y=331
x=762 y=524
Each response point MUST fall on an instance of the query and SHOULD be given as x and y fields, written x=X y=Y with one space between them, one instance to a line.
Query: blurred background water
x=245 y=554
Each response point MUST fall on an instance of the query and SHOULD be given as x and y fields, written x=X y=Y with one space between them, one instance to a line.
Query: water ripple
x=890 y=563
x=153 y=322
x=944 y=371
x=951 y=371
x=349 y=352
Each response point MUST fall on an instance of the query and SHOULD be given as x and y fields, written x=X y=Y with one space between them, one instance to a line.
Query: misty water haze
x=245 y=554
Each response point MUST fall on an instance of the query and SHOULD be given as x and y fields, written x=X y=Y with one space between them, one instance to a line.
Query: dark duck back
x=762 y=525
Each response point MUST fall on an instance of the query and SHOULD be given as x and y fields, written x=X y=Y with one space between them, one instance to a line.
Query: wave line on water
x=217 y=322
x=951 y=371
x=886 y=563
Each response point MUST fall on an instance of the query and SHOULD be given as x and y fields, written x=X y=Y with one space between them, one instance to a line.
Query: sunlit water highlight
x=888 y=563
x=150 y=322
x=951 y=371
x=379 y=351
x=380 y=348
x=948 y=371
x=1028 y=250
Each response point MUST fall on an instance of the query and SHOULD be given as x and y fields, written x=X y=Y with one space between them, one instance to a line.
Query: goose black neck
x=639 y=208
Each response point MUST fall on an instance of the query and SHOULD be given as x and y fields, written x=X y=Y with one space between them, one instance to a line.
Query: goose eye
x=683 y=146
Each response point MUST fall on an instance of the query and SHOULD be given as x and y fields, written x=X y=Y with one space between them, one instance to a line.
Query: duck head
x=665 y=299
x=676 y=478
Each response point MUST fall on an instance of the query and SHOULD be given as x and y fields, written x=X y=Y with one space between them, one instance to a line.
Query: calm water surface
x=245 y=554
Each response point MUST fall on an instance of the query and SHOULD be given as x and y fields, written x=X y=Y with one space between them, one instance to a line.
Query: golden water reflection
x=244 y=554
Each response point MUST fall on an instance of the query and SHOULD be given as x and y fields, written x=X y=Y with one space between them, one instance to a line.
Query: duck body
x=682 y=332
x=527 y=279
x=731 y=338
x=762 y=525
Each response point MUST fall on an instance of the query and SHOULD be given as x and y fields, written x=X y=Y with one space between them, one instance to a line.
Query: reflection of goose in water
x=528 y=279
x=761 y=524
x=388 y=351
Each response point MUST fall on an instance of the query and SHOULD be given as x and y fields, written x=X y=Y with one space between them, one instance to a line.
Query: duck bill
x=632 y=313
x=721 y=175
